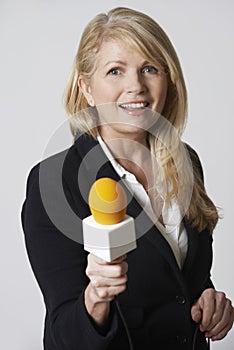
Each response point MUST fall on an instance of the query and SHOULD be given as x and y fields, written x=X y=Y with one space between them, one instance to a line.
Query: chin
x=127 y=130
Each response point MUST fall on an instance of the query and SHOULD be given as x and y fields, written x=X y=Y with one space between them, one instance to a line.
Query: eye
x=150 y=69
x=114 y=71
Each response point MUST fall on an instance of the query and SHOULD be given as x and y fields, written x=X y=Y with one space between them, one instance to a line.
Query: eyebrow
x=118 y=62
x=122 y=63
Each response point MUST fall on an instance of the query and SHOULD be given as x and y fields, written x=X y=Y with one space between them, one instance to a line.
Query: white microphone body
x=109 y=241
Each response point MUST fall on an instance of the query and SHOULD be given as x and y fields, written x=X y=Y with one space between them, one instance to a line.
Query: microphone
x=108 y=233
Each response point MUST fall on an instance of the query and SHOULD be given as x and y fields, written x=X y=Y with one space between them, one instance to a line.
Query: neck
x=124 y=145
x=132 y=153
x=132 y=147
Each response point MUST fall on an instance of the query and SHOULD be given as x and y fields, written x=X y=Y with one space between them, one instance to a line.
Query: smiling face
x=124 y=87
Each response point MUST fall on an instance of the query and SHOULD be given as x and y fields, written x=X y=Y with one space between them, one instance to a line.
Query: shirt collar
x=119 y=169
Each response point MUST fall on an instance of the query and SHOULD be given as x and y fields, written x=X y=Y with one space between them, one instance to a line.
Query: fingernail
x=213 y=339
x=202 y=329
x=207 y=335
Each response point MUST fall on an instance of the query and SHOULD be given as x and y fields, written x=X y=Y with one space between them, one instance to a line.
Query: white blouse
x=173 y=229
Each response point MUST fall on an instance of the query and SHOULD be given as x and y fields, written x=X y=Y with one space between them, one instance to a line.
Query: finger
x=108 y=294
x=107 y=271
x=100 y=261
x=196 y=313
x=218 y=315
x=221 y=334
x=119 y=259
x=100 y=282
x=207 y=303
x=221 y=329
x=114 y=271
x=96 y=259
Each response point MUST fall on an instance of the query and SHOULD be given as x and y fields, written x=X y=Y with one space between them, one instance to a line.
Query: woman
x=125 y=76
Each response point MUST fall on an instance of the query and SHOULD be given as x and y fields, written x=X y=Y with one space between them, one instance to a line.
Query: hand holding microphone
x=107 y=279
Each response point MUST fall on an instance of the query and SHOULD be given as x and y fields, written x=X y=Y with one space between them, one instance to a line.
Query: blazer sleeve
x=59 y=266
x=196 y=163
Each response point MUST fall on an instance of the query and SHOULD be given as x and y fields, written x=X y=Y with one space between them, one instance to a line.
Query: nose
x=135 y=84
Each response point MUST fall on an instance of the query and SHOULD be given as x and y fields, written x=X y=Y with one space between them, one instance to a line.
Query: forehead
x=117 y=50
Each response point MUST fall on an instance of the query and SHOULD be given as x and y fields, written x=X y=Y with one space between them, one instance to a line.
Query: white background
x=38 y=40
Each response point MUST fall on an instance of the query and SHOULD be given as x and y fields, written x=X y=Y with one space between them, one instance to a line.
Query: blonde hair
x=143 y=34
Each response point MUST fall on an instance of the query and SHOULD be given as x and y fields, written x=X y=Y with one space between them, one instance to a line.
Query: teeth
x=134 y=105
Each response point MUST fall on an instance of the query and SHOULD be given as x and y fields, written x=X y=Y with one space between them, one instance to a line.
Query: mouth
x=134 y=106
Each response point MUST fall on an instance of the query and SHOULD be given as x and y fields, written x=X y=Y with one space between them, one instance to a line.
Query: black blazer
x=157 y=302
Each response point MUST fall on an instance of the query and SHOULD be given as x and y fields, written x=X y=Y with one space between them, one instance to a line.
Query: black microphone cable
x=195 y=339
x=125 y=324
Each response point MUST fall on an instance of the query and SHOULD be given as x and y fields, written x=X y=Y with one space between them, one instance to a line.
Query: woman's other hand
x=214 y=312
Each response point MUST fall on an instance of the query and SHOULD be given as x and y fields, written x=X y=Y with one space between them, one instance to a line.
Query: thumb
x=196 y=312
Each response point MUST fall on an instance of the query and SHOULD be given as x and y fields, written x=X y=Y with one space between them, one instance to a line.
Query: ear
x=86 y=90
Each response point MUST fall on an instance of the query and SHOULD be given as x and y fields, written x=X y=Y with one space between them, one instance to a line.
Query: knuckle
x=118 y=271
x=95 y=282
x=122 y=288
x=229 y=303
x=221 y=325
x=206 y=324
x=103 y=294
x=215 y=319
x=209 y=292
x=125 y=278
x=87 y=271
x=90 y=271
x=90 y=258
x=220 y=295
x=125 y=266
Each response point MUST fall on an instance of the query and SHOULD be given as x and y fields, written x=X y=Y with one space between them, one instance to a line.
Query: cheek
x=161 y=95
x=104 y=95
x=163 y=88
x=164 y=93
x=104 y=92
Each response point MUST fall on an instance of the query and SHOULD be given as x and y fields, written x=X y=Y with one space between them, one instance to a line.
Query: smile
x=134 y=105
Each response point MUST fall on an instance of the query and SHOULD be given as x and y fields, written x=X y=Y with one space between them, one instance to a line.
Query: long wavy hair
x=145 y=36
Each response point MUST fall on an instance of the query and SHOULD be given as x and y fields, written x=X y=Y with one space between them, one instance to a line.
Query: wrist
x=98 y=309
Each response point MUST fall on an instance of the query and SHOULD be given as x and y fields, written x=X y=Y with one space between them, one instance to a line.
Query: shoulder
x=49 y=202
x=53 y=165
x=45 y=181
x=195 y=160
